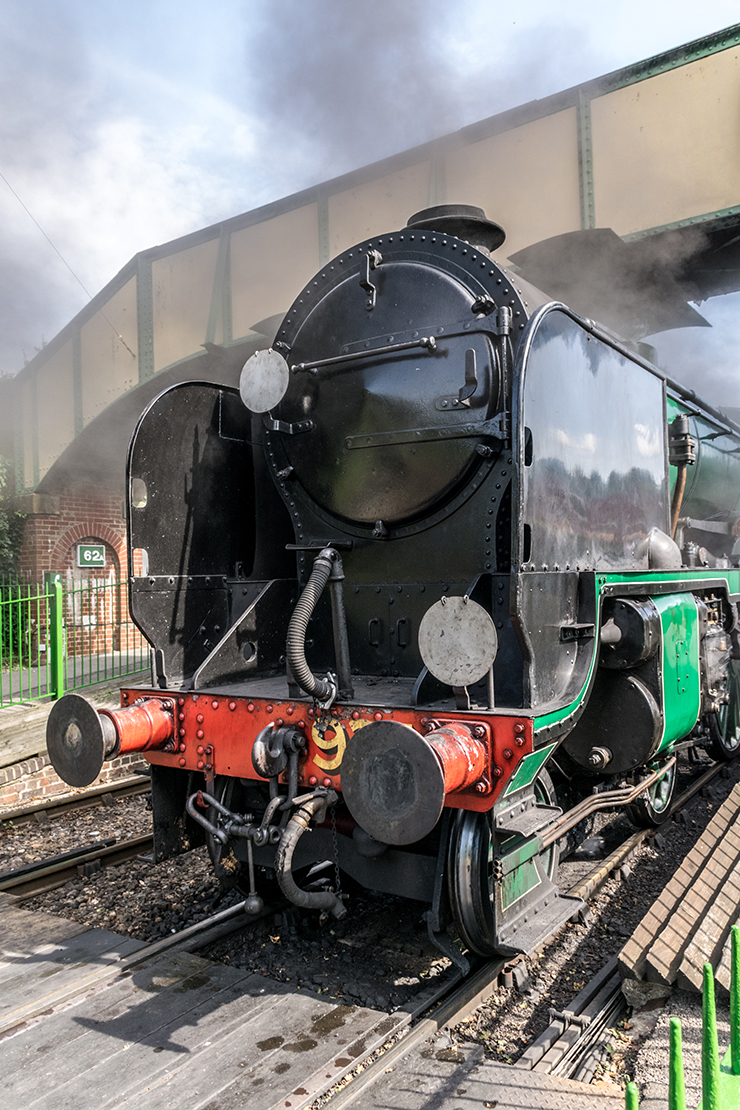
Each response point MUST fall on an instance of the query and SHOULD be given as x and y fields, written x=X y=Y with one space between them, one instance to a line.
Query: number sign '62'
x=90 y=555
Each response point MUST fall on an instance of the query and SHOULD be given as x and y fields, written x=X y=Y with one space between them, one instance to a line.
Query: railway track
x=37 y=878
x=576 y=1038
x=573 y=1041
x=53 y=872
x=83 y=799
x=49 y=874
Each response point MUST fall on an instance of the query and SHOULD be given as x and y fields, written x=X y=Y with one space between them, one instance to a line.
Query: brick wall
x=33 y=780
x=50 y=537
x=97 y=621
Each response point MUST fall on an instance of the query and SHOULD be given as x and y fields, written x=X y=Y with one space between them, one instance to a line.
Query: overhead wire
x=64 y=260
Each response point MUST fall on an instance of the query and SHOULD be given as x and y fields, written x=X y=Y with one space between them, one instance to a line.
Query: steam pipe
x=236 y=824
x=339 y=628
x=319 y=688
x=218 y=834
x=299 y=822
x=678 y=493
x=681 y=453
x=609 y=799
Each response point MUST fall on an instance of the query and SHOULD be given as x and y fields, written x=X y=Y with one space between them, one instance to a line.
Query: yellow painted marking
x=340 y=733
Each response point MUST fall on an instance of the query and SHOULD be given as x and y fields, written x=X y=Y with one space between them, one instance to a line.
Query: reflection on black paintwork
x=596 y=485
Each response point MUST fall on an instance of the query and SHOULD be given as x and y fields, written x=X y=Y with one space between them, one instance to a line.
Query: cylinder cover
x=622 y=717
x=638 y=622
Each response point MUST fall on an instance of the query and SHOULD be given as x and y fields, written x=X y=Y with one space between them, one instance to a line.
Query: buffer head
x=78 y=740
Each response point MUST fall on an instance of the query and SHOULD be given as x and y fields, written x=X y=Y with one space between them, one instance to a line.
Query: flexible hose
x=319 y=688
x=309 y=900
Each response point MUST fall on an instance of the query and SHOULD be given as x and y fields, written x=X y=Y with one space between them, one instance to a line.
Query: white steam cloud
x=128 y=125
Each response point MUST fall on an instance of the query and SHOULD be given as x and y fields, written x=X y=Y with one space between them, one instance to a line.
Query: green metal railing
x=720 y=1079
x=58 y=637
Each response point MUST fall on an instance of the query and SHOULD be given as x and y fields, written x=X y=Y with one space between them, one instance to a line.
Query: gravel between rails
x=379 y=955
x=136 y=899
x=50 y=835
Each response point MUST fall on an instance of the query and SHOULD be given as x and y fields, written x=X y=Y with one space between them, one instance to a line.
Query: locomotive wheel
x=724 y=726
x=470 y=872
x=654 y=806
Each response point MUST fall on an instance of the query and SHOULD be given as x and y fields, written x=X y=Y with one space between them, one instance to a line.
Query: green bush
x=11 y=528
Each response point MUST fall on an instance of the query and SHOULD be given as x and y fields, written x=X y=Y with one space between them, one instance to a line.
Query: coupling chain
x=335 y=845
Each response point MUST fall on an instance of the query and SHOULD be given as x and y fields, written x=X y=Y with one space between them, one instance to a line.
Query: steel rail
x=50 y=875
x=16 y=874
x=95 y=795
x=450 y=1011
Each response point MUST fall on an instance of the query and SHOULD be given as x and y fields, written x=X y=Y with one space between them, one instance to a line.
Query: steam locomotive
x=453 y=569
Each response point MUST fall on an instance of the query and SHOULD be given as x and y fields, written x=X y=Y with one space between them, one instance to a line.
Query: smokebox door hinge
x=372 y=261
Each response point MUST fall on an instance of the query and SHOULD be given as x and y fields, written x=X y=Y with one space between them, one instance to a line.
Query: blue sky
x=123 y=126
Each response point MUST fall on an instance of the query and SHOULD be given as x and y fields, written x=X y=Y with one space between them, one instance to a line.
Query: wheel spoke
x=724 y=725
x=653 y=807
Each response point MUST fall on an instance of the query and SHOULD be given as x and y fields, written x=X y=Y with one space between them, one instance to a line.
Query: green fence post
x=676 y=1082
x=735 y=1002
x=631 y=1100
x=709 y=1046
x=56 y=639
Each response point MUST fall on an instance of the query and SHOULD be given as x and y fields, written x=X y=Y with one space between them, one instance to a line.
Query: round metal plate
x=264 y=380
x=392 y=782
x=74 y=739
x=457 y=641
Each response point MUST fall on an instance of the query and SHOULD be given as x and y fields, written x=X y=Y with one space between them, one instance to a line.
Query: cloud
x=110 y=158
x=339 y=84
x=649 y=441
x=586 y=444
x=125 y=126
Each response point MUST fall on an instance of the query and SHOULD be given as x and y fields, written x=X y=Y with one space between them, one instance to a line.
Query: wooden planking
x=657 y=921
x=172 y=1030
x=110 y=1001
x=46 y=960
x=293 y=1073
x=689 y=923
x=723 y=972
x=41 y=1035
x=708 y=941
x=22 y=732
x=667 y=951
x=115 y=1037
x=23 y=932
x=50 y=965
x=140 y=1059
x=433 y=1076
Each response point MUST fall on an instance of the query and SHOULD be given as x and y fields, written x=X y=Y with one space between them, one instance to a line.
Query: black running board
x=525 y=924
